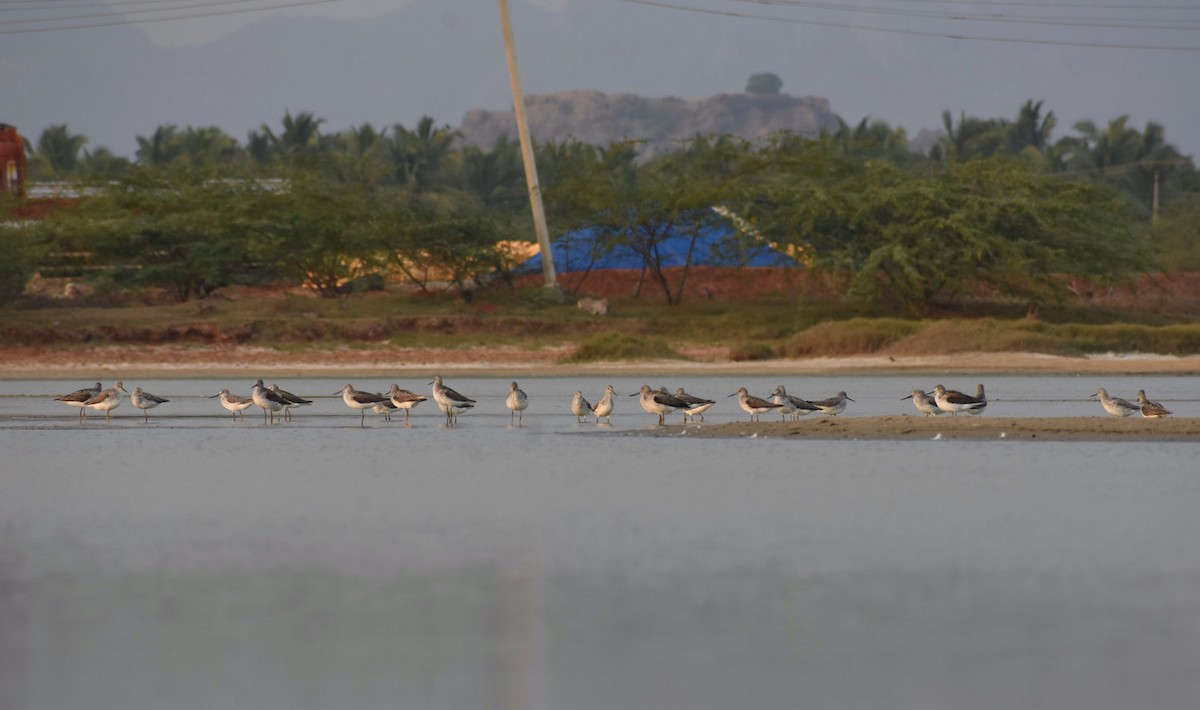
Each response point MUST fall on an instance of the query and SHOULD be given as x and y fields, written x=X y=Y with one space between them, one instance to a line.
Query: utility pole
x=531 y=177
x=1154 y=200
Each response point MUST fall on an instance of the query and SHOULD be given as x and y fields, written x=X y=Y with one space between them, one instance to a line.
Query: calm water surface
x=194 y=562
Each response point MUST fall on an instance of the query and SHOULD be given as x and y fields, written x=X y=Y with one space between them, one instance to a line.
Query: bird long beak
x=907 y=396
x=215 y=395
x=732 y=395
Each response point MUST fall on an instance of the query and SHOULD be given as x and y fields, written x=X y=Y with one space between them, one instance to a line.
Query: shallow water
x=31 y=402
x=198 y=562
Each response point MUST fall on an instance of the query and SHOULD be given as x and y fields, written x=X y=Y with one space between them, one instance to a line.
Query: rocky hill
x=597 y=118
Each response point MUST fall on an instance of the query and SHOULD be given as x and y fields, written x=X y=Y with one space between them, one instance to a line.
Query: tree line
x=995 y=202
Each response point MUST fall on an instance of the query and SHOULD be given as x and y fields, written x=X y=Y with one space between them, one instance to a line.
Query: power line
x=20 y=5
x=118 y=21
x=961 y=17
x=126 y=13
x=917 y=33
x=1051 y=4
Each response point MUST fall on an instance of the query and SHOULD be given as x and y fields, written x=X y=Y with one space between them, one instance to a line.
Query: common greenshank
x=234 y=403
x=754 y=406
x=580 y=407
x=833 y=406
x=362 y=401
x=604 y=408
x=384 y=407
x=953 y=401
x=924 y=403
x=79 y=398
x=790 y=405
x=517 y=402
x=1151 y=409
x=403 y=399
x=1115 y=405
x=982 y=397
x=695 y=405
x=106 y=400
x=145 y=401
x=449 y=401
x=268 y=400
x=291 y=400
x=658 y=402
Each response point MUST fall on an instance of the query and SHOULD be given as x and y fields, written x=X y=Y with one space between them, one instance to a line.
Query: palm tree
x=1116 y=145
x=103 y=162
x=872 y=139
x=364 y=141
x=495 y=178
x=161 y=148
x=209 y=146
x=1031 y=129
x=258 y=147
x=419 y=157
x=58 y=149
x=974 y=137
x=301 y=135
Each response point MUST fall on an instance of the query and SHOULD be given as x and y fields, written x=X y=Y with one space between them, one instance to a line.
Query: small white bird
x=145 y=401
x=517 y=402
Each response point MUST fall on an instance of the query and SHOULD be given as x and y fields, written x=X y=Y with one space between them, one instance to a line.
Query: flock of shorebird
x=659 y=402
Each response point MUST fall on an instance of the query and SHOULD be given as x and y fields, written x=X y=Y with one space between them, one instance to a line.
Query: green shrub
x=854 y=336
x=751 y=351
x=621 y=346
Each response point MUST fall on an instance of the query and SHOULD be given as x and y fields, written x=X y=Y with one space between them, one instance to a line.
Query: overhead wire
x=914 y=32
x=178 y=13
x=1110 y=23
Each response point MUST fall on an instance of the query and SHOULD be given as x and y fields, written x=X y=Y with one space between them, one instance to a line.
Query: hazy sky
x=238 y=64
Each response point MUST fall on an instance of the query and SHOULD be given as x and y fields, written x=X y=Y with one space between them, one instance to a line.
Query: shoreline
x=979 y=428
x=130 y=361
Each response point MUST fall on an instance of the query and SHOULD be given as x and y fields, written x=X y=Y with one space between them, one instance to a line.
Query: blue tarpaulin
x=715 y=247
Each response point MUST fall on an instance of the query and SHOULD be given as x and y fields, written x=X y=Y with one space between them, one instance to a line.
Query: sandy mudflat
x=129 y=361
x=1091 y=428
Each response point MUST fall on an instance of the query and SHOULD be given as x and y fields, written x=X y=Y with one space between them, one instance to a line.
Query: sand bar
x=975 y=428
